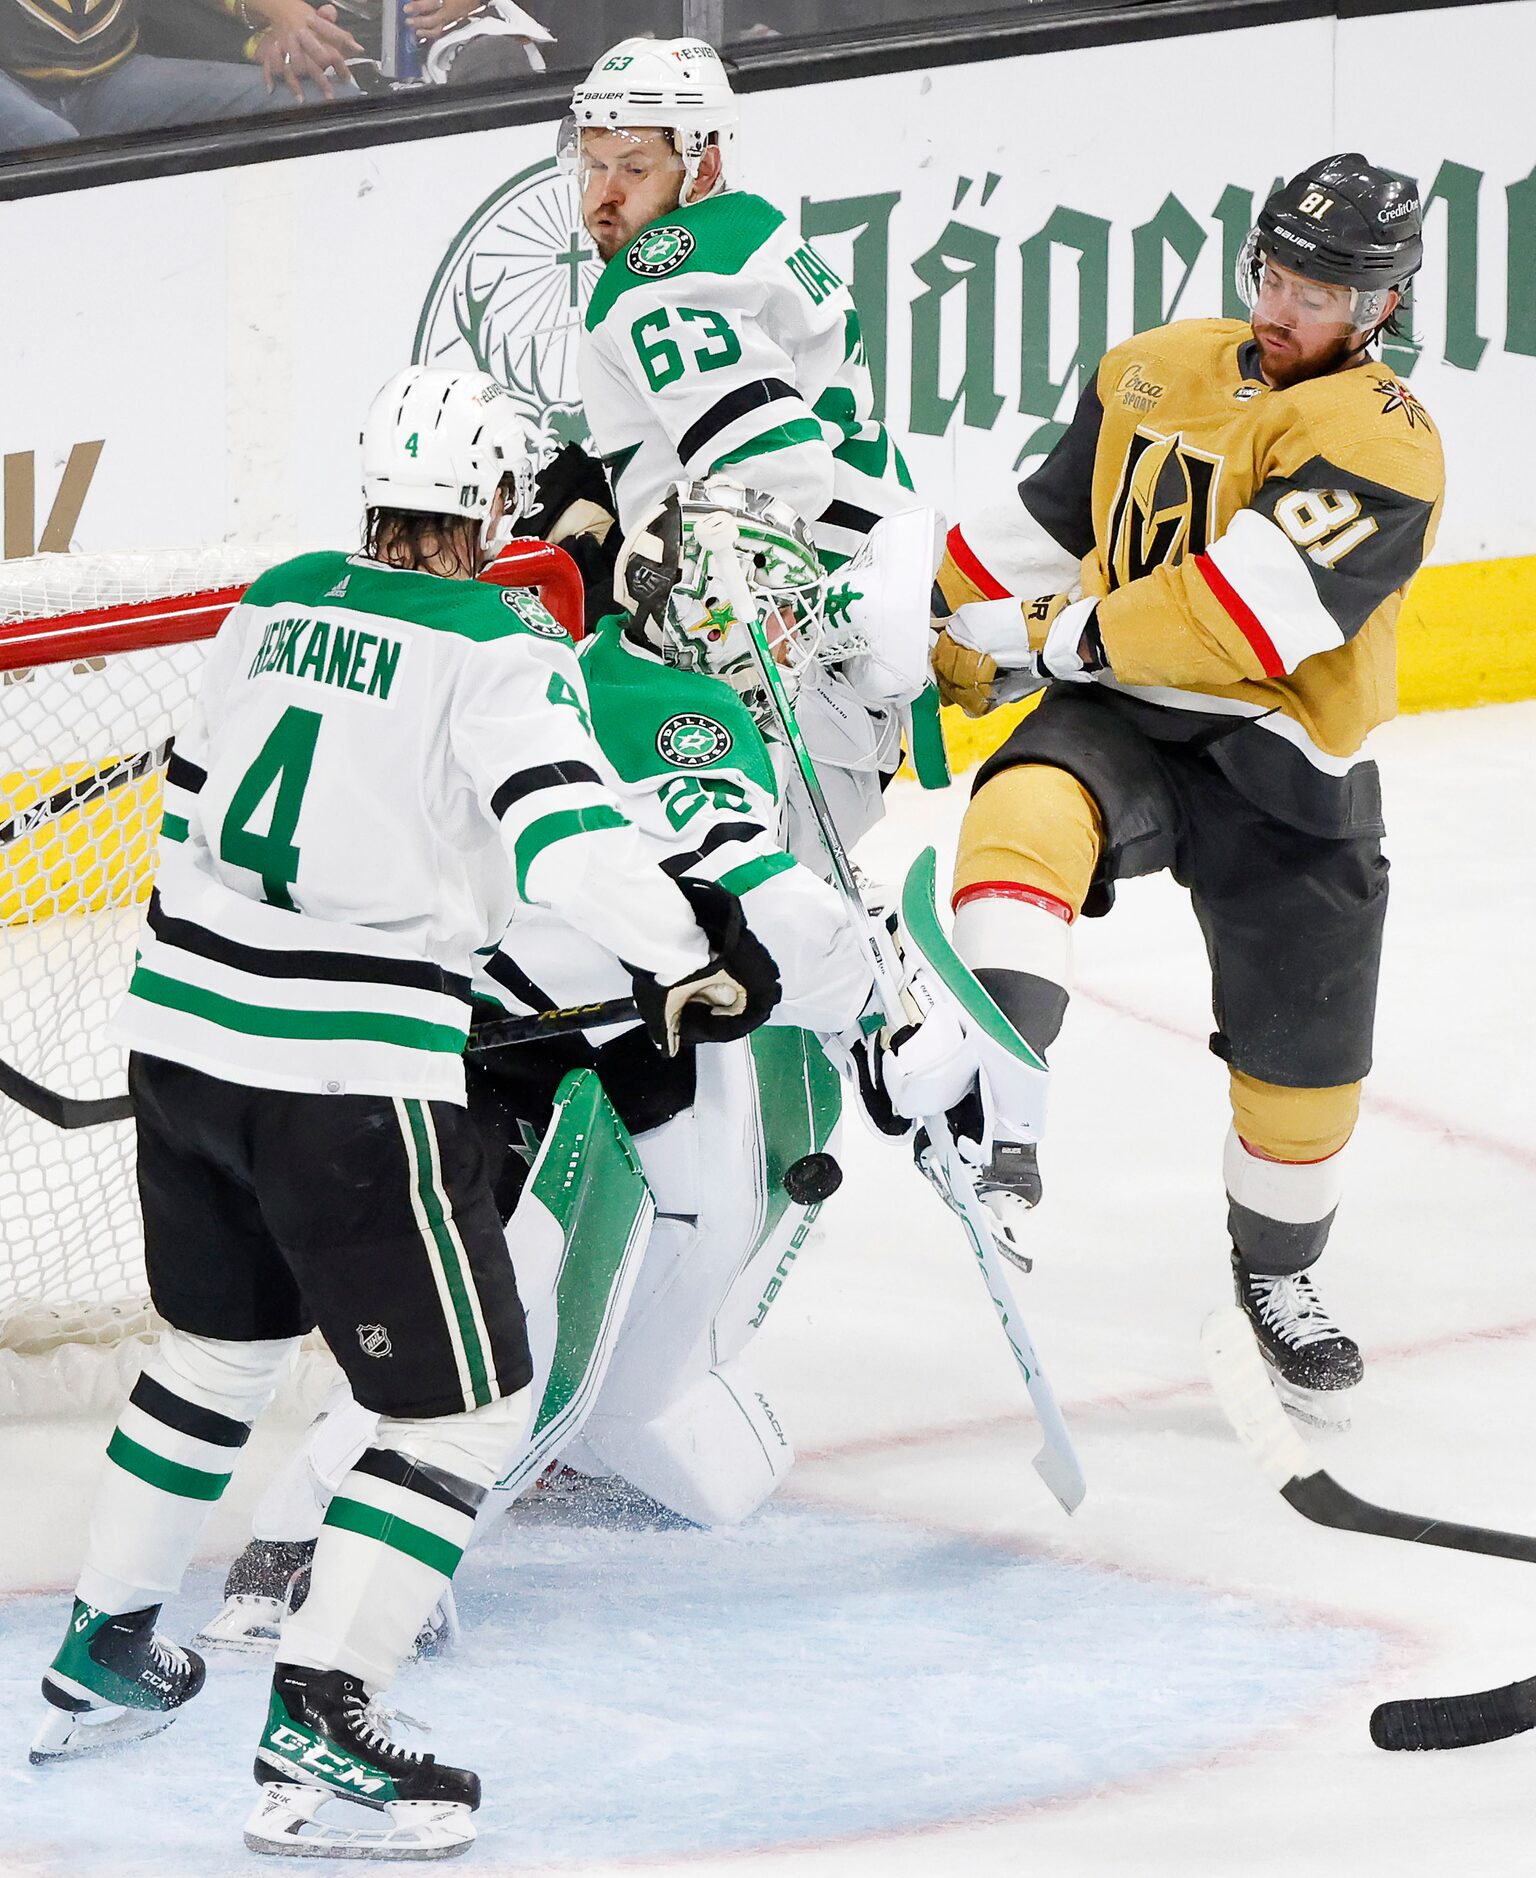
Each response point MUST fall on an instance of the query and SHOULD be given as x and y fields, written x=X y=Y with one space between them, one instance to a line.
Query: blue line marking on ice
x=652 y=1694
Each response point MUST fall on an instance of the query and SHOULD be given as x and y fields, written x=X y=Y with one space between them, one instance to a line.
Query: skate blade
x=1328 y=1410
x=247 y=1625
x=284 y=1825
x=67 y=1737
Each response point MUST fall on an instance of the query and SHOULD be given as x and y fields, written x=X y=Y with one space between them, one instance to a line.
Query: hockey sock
x=169 y=1460
x=1279 y=1212
x=295 y=1501
x=393 y=1537
x=1018 y=941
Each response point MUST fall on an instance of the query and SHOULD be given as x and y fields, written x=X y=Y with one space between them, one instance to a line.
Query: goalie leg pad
x=713 y=1455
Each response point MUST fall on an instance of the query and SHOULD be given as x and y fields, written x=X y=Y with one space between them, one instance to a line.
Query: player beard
x=612 y=231
x=1286 y=362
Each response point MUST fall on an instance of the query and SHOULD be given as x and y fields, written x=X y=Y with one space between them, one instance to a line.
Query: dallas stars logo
x=692 y=741
x=1398 y=397
x=660 y=251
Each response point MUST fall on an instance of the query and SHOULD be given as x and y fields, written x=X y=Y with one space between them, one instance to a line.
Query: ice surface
x=914 y=1663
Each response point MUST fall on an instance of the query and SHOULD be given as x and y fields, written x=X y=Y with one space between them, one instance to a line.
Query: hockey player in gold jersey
x=1204 y=578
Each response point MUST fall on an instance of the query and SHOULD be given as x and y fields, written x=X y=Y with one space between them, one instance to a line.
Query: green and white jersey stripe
x=382 y=771
x=446 y=1257
x=720 y=341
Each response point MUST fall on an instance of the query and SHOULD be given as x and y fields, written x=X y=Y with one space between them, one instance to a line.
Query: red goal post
x=100 y=657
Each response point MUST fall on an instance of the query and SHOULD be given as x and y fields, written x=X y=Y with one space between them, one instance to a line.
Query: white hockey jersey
x=382 y=768
x=719 y=341
x=698 y=783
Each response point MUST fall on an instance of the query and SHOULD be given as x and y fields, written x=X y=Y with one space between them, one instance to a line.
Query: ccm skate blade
x=284 y=1825
x=65 y=1736
x=247 y=1625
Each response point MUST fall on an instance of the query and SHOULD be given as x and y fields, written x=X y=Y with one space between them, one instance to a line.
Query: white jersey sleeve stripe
x=1267 y=573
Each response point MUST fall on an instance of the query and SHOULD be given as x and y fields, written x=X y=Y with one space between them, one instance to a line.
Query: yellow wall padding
x=79 y=857
x=1036 y=827
x=1293 y=1124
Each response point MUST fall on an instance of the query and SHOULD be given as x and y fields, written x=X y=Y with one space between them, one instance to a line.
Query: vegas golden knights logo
x=1163 y=508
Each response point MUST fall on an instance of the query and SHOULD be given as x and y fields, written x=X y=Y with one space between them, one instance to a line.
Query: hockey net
x=100 y=659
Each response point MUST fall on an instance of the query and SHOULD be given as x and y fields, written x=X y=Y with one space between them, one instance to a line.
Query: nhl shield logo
x=374 y=1339
x=691 y=741
x=509 y=296
x=660 y=251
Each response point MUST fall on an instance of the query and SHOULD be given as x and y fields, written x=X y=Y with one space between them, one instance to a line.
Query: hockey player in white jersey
x=717 y=341
x=387 y=763
x=655 y=1387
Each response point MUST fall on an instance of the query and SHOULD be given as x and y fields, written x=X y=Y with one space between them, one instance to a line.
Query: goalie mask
x=440 y=442
x=683 y=604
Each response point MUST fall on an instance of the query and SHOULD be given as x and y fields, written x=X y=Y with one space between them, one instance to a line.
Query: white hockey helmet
x=440 y=442
x=688 y=612
x=676 y=85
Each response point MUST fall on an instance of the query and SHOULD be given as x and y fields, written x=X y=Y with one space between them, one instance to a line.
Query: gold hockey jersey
x=1251 y=548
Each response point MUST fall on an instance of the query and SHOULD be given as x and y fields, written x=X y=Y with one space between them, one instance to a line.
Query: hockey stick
x=1056 y=1463
x=1455 y=1721
x=83 y=1112
x=63 y=1111
x=1241 y=1382
x=506 y=1031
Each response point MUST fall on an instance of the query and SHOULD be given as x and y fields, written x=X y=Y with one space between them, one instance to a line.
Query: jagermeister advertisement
x=1001 y=223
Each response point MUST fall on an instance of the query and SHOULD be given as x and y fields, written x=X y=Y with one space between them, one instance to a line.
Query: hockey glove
x=920 y=1068
x=726 y=997
x=576 y=511
x=994 y=652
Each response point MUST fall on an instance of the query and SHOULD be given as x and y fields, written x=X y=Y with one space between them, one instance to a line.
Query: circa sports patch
x=660 y=250
x=691 y=741
x=532 y=612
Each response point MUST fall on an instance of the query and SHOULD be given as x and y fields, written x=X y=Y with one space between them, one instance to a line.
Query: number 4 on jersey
x=284 y=760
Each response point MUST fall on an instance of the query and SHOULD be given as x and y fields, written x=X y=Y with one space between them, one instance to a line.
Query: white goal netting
x=85 y=733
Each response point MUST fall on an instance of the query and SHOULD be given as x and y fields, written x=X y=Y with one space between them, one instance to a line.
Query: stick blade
x=1061 y=1473
x=1455 y=1721
x=1240 y=1379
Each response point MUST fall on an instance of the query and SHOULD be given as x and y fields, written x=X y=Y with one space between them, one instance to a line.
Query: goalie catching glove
x=992 y=652
x=726 y=997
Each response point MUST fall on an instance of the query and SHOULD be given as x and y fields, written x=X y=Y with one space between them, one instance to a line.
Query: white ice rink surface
x=913 y=1663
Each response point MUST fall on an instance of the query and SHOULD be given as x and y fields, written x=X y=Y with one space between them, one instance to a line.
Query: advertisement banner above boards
x=188 y=359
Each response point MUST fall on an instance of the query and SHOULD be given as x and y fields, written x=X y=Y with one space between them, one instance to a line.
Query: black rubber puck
x=813 y=1177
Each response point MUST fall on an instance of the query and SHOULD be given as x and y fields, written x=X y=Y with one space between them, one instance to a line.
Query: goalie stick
x=1056 y=1463
x=1241 y=1382
x=93 y=1112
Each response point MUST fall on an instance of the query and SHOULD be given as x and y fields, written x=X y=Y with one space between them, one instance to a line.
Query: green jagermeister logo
x=660 y=251
x=510 y=295
x=691 y=741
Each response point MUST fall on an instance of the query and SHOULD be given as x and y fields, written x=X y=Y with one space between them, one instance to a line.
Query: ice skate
x=271 y=1578
x=256 y=1592
x=113 y=1681
x=334 y=1785
x=1312 y=1364
x=1009 y=1187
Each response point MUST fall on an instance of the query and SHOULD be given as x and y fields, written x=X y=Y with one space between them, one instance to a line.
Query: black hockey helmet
x=1342 y=221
